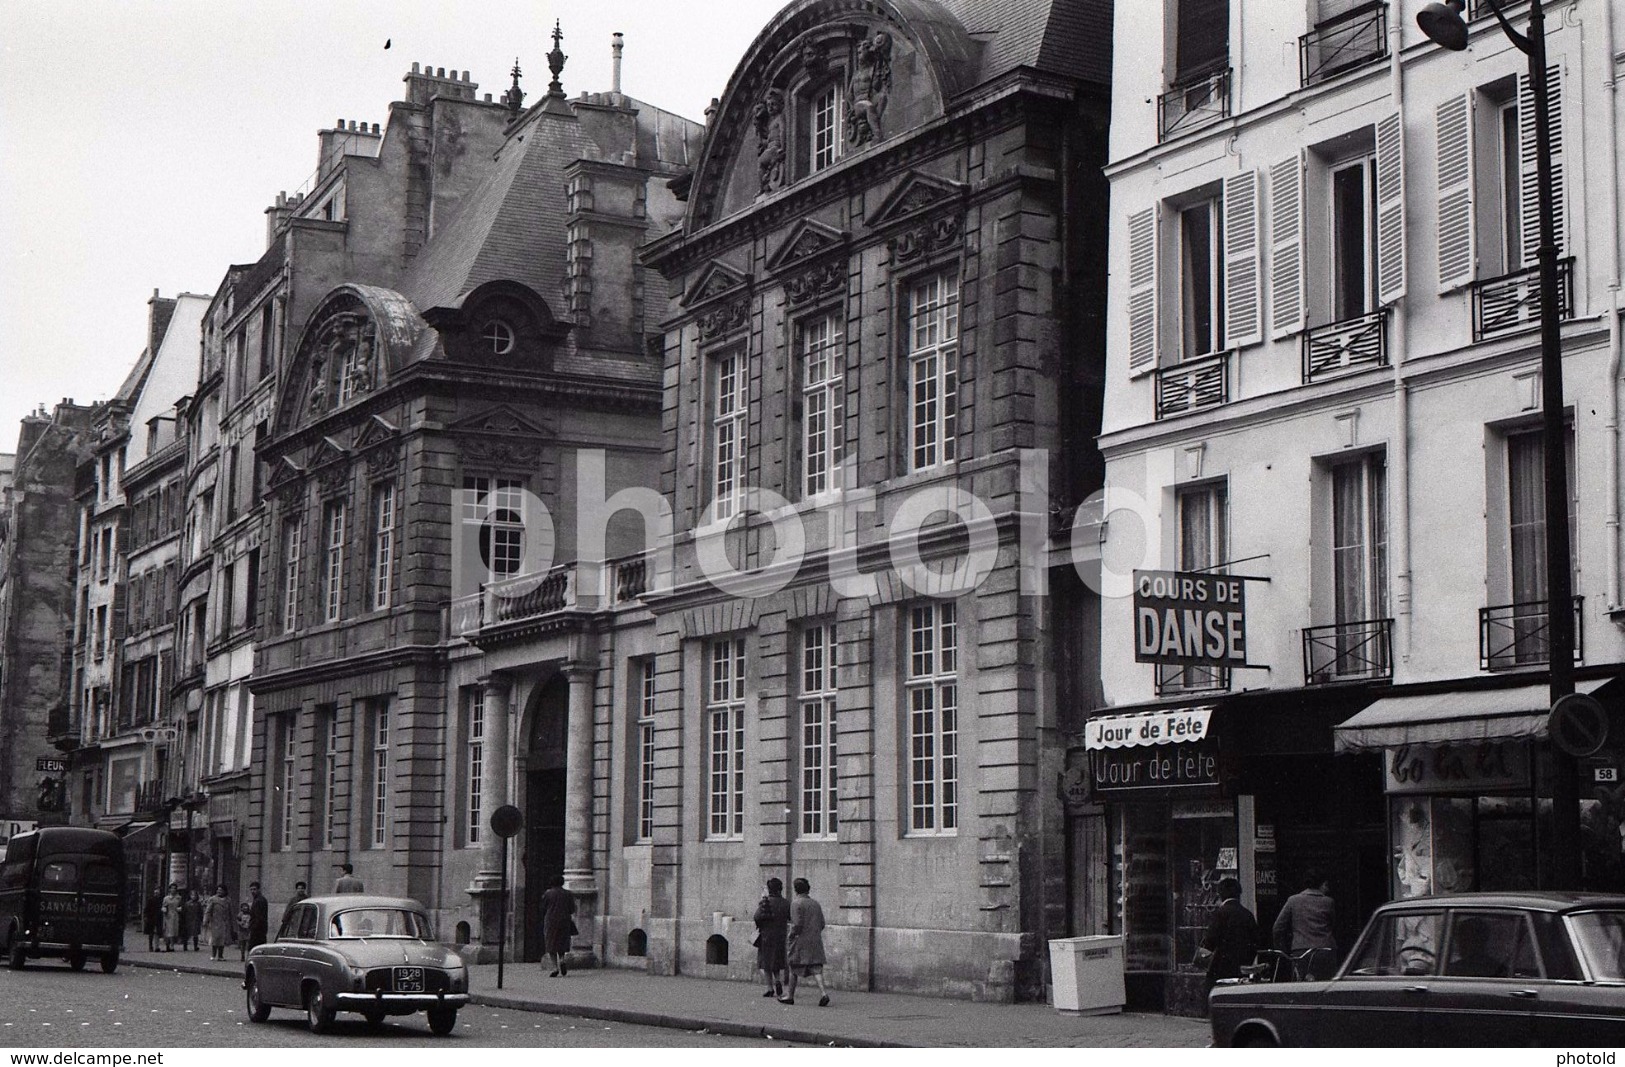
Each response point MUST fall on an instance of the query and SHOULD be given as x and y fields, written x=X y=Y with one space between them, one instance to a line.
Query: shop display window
x=1168 y=858
x=1464 y=844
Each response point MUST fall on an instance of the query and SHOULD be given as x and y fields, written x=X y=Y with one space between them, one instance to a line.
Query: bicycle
x=1274 y=965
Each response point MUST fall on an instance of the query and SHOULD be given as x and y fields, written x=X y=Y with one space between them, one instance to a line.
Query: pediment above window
x=809 y=240
x=716 y=280
x=915 y=196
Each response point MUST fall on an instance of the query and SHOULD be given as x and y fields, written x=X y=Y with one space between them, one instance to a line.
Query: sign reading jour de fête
x=1190 y=619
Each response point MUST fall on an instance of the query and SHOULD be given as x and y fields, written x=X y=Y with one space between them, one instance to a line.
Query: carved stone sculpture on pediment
x=925 y=238
x=820 y=281
x=333 y=479
x=868 y=89
x=724 y=319
x=384 y=456
x=506 y=453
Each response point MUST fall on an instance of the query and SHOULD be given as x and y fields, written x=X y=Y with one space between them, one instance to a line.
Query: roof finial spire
x=555 y=61
x=514 y=98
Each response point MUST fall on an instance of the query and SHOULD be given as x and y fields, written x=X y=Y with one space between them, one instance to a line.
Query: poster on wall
x=1433 y=845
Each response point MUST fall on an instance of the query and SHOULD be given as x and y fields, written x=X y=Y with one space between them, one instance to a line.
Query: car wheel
x=1256 y=1039
x=109 y=962
x=318 y=1016
x=258 y=1010
x=442 y=1021
x=76 y=961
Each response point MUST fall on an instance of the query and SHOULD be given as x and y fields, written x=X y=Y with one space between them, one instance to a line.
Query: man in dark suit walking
x=259 y=916
x=1232 y=934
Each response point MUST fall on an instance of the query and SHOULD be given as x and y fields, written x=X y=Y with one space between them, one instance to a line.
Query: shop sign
x=1159 y=767
x=1264 y=837
x=1147 y=728
x=51 y=765
x=1190 y=619
x=1074 y=787
x=1457 y=768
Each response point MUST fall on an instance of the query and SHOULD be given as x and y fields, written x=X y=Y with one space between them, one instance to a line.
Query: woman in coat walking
x=173 y=907
x=217 y=923
x=772 y=928
x=806 y=955
x=558 y=924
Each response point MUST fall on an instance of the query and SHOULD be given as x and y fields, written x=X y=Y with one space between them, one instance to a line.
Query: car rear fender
x=1249 y=1030
x=307 y=984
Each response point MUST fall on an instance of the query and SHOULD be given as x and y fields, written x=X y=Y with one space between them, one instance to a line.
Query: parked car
x=1493 y=969
x=62 y=896
x=355 y=952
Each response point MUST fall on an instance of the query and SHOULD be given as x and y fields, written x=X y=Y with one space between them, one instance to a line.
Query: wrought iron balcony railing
x=1511 y=302
x=1341 y=43
x=1348 y=651
x=1194 y=104
x=149 y=796
x=1199 y=383
x=1172 y=678
x=1340 y=347
x=1519 y=635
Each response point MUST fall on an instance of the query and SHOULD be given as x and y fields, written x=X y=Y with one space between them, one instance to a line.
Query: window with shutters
x=1356 y=643
x=1354 y=238
x=1200 y=288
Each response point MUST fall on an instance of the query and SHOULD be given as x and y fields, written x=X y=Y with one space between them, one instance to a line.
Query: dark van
x=62 y=896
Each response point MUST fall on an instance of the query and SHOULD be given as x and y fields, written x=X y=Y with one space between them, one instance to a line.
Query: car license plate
x=409 y=979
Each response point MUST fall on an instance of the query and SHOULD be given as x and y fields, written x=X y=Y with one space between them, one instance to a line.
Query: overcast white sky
x=142 y=140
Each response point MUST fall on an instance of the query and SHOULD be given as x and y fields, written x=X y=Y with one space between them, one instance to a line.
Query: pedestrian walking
x=558 y=924
x=191 y=920
x=259 y=916
x=1232 y=934
x=152 y=919
x=348 y=882
x=217 y=923
x=772 y=930
x=298 y=895
x=1305 y=925
x=172 y=917
x=806 y=943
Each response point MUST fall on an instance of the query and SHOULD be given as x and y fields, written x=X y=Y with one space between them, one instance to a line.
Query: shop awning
x=1462 y=717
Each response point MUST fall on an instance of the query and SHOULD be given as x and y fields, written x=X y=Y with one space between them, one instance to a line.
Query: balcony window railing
x=1511 y=302
x=1348 y=651
x=149 y=796
x=1349 y=40
x=1518 y=635
x=1172 y=678
x=1350 y=345
x=529 y=596
x=1200 y=383
x=631 y=577
x=1193 y=104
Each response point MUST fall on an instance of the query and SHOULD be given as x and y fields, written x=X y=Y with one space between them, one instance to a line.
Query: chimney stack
x=615 y=50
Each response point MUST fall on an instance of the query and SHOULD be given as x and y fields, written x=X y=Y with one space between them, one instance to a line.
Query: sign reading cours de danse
x=1190 y=619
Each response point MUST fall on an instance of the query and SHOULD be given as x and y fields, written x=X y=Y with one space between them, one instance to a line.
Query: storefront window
x=1464 y=844
x=1168 y=860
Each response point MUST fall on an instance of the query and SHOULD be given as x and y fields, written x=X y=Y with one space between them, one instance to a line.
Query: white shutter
x=1458 y=250
x=1530 y=192
x=1243 y=316
x=1390 y=209
x=1142 y=290
x=1288 y=301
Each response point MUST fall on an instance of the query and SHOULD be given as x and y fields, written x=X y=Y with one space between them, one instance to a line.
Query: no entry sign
x=1190 y=619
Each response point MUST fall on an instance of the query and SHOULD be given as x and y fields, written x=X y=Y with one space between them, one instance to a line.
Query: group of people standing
x=1303 y=930
x=187 y=917
x=790 y=941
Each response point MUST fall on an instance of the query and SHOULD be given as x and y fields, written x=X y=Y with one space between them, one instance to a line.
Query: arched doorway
x=545 y=791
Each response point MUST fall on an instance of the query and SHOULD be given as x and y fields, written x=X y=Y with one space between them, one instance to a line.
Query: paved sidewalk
x=857 y=1019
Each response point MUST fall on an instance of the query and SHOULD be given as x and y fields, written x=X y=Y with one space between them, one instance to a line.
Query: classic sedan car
x=352 y=952
x=1491 y=969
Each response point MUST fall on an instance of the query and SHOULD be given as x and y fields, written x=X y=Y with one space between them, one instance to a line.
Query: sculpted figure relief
x=770 y=146
x=868 y=89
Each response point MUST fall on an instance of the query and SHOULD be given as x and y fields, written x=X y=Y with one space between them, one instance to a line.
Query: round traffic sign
x=506 y=821
x=1578 y=724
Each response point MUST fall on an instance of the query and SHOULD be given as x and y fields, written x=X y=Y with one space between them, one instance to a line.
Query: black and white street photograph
x=815 y=524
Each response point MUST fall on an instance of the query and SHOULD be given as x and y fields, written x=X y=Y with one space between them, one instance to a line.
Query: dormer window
x=824 y=126
x=498 y=337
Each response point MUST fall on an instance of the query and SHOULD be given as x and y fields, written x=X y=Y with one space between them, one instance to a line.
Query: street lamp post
x=1442 y=22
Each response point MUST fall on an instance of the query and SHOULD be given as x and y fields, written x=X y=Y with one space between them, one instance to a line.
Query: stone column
x=497 y=759
x=579 y=878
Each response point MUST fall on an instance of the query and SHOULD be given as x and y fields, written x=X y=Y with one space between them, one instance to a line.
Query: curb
x=631 y=1016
